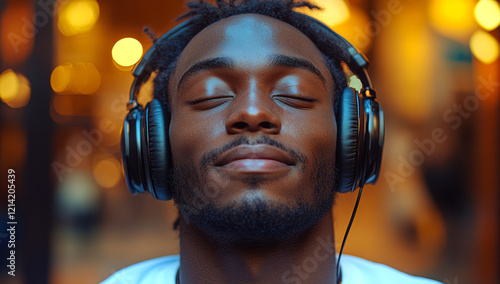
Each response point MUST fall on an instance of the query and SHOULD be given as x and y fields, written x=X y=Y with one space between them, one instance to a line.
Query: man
x=251 y=104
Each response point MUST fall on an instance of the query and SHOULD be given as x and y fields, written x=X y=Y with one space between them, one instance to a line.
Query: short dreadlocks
x=203 y=13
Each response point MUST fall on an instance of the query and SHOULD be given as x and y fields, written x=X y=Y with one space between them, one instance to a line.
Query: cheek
x=316 y=136
x=191 y=136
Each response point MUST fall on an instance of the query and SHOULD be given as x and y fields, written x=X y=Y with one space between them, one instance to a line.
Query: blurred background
x=65 y=73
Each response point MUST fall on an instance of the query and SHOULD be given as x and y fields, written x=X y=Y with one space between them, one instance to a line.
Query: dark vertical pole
x=37 y=199
x=498 y=171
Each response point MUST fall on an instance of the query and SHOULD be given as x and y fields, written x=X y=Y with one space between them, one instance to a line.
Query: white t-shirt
x=355 y=270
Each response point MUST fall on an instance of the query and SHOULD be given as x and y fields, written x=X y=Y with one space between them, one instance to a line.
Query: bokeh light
x=9 y=85
x=76 y=78
x=107 y=172
x=77 y=16
x=334 y=12
x=59 y=80
x=16 y=36
x=127 y=51
x=452 y=18
x=484 y=47
x=15 y=89
x=487 y=14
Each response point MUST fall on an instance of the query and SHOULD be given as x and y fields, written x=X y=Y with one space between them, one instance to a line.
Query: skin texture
x=253 y=137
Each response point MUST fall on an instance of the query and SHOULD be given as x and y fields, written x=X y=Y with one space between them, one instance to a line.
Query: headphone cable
x=346 y=233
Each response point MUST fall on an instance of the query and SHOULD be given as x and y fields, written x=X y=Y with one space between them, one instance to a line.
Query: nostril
x=266 y=124
x=240 y=125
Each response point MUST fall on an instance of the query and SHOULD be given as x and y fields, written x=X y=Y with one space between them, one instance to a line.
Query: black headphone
x=360 y=135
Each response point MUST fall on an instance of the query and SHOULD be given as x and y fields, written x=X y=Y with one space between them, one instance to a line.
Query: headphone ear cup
x=348 y=140
x=132 y=150
x=374 y=140
x=157 y=162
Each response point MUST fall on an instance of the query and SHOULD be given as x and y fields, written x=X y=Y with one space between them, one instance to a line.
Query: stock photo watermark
x=30 y=26
x=211 y=190
x=11 y=222
x=75 y=154
x=301 y=271
x=381 y=19
x=455 y=281
x=454 y=117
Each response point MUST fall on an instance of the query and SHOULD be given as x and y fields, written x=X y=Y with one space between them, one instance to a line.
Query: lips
x=255 y=158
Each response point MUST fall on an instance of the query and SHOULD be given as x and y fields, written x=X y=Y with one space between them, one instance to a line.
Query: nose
x=252 y=112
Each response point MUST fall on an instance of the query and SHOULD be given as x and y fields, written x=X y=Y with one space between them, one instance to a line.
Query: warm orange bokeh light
x=108 y=172
x=452 y=18
x=77 y=16
x=77 y=78
x=17 y=31
x=333 y=12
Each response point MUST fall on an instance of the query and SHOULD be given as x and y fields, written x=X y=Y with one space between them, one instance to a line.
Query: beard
x=252 y=220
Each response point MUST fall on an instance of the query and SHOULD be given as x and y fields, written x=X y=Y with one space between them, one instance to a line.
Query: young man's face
x=252 y=130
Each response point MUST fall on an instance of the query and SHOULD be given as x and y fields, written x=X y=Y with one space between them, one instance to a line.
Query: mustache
x=209 y=157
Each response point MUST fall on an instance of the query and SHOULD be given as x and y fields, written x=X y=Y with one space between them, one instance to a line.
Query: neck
x=307 y=258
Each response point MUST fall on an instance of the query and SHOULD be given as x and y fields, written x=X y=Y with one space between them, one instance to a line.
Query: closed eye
x=296 y=101
x=209 y=102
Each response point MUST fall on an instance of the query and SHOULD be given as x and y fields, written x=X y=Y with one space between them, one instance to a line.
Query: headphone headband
x=357 y=61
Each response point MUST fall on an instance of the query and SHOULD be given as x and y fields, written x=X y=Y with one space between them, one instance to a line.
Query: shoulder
x=157 y=270
x=356 y=270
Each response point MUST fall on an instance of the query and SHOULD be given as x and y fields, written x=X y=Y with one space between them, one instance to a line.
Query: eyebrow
x=227 y=63
x=295 y=62
x=209 y=64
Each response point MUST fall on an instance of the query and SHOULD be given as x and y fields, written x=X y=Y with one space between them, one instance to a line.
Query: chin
x=255 y=219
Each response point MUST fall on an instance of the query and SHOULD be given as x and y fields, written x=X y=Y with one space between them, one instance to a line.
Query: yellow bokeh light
x=484 y=47
x=83 y=14
x=127 y=51
x=15 y=89
x=77 y=16
x=9 y=85
x=23 y=93
x=107 y=172
x=452 y=18
x=334 y=12
x=487 y=14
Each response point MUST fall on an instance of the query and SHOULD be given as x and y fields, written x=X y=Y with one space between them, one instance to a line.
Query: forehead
x=250 y=40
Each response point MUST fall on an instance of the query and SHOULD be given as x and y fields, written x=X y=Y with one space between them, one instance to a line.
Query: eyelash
x=212 y=102
x=200 y=100
x=291 y=100
x=301 y=98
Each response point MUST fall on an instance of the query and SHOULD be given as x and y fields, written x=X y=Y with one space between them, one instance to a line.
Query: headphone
x=360 y=135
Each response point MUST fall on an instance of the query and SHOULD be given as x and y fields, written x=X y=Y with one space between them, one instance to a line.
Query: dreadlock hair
x=203 y=13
